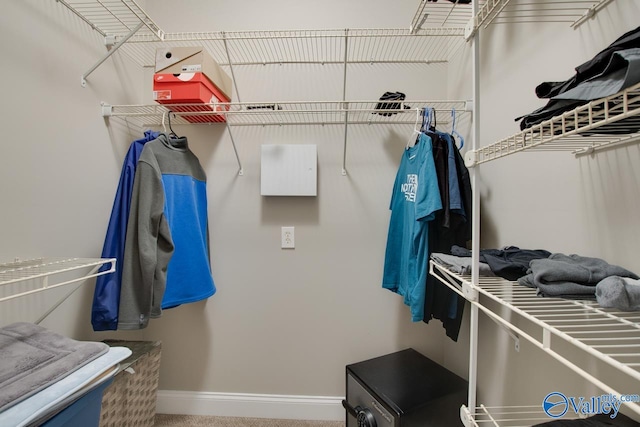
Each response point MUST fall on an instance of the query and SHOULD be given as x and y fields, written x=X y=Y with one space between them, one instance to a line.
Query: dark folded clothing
x=610 y=71
x=622 y=71
x=591 y=68
x=510 y=263
x=549 y=89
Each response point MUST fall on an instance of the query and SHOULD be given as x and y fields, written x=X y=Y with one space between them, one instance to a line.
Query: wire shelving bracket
x=116 y=20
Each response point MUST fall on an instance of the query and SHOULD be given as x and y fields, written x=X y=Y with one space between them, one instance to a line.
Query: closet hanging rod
x=281 y=107
x=285 y=113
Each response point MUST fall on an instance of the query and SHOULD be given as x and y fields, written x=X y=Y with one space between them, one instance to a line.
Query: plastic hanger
x=428 y=117
x=454 y=132
x=172 y=134
x=412 y=139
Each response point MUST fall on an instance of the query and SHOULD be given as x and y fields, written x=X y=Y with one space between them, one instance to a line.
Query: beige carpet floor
x=163 y=420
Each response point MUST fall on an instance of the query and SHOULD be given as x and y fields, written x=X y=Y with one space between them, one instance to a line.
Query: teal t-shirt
x=414 y=201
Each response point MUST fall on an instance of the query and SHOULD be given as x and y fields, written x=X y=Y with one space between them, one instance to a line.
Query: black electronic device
x=403 y=389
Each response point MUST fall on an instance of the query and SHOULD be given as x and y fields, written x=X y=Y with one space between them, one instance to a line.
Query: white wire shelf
x=288 y=113
x=573 y=12
x=120 y=18
x=599 y=124
x=113 y=17
x=37 y=275
x=363 y=46
x=504 y=416
x=443 y=14
x=611 y=336
x=437 y=31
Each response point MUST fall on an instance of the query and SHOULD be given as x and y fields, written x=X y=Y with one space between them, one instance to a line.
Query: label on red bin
x=160 y=95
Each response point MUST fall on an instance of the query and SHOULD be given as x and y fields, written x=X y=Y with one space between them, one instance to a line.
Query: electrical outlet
x=288 y=238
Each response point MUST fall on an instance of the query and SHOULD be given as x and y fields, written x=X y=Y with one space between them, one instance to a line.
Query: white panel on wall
x=289 y=170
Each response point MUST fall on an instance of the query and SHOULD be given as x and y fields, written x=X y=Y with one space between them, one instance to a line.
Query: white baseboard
x=250 y=405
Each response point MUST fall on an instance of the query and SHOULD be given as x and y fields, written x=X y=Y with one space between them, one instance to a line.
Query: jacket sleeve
x=106 y=296
x=144 y=263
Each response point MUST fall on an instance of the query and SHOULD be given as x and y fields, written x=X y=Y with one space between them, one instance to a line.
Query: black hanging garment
x=450 y=227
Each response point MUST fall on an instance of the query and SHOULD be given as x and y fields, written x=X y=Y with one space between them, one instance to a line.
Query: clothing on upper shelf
x=106 y=296
x=414 y=201
x=166 y=259
x=622 y=293
x=622 y=71
x=570 y=276
x=591 y=68
x=615 y=68
x=510 y=263
x=389 y=96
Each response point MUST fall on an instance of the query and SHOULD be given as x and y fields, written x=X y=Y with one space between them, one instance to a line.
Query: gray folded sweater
x=570 y=276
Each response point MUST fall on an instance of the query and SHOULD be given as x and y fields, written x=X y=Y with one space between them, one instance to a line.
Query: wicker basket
x=131 y=399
